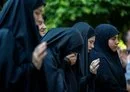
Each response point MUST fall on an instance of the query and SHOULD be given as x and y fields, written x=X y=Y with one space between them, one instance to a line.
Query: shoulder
x=95 y=55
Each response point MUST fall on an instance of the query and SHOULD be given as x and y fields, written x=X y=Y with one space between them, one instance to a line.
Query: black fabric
x=1 y=3
x=6 y=63
x=71 y=79
x=61 y=42
x=87 y=32
x=110 y=75
x=17 y=17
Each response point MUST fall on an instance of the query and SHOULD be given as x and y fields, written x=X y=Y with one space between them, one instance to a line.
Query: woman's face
x=113 y=43
x=91 y=43
x=39 y=20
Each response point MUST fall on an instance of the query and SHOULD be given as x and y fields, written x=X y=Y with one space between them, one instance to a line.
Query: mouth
x=89 y=50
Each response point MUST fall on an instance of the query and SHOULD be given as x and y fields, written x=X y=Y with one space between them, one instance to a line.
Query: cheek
x=88 y=45
x=110 y=43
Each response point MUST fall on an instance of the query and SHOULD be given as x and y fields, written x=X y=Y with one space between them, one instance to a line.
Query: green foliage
x=67 y=12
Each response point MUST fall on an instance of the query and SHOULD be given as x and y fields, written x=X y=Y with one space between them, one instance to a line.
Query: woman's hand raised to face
x=38 y=55
x=72 y=58
x=94 y=66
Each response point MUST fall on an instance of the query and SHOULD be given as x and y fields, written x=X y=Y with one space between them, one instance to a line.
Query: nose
x=92 y=46
x=42 y=25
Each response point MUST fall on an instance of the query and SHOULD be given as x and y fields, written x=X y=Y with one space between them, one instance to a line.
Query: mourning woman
x=19 y=36
x=110 y=75
x=61 y=42
x=88 y=35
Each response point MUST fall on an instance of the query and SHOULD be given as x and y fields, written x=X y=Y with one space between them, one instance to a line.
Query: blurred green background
x=65 y=13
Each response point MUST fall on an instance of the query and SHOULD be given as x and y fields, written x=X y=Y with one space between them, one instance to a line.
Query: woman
x=16 y=17
x=110 y=75
x=88 y=35
x=61 y=42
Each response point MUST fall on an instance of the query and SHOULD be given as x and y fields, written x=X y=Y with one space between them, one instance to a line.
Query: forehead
x=116 y=36
x=39 y=9
x=92 y=38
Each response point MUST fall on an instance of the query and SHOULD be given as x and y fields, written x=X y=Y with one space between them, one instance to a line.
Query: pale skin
x=39 y=52
x=113 y=44
x=38 y=55
x=94 y=65
x=123 y=57
x=72 y=57
x=38 y=16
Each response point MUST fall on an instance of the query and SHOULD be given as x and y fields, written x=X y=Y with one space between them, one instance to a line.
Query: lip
x=89 y=50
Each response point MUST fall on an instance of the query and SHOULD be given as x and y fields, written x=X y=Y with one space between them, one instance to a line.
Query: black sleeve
x=54 y=75
x=104 y=78
x=6 y=58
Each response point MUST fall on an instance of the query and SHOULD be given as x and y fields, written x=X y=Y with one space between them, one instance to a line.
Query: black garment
x=86 y=77
x=17 y=17
x=61 y=42
x=6 y=63
x=110 y=75
x=71 y=76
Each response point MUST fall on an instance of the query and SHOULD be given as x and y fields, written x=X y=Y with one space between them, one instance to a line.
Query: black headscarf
x=61 y=42
x=101 y=50
x=17 y=17
x=87 y=32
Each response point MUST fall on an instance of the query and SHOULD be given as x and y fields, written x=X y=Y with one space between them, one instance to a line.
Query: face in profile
x=113 y=43
x=91 y=43
x=39 y=20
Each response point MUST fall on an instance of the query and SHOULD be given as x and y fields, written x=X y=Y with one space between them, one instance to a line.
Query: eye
x=91 y=42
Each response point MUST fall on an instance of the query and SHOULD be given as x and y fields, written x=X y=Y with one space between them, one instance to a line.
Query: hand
x=123 y=57
x=39 y=54
x=72 y=58
x=94 y=66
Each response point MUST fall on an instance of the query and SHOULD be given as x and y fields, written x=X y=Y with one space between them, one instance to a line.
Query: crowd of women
x=66 y=59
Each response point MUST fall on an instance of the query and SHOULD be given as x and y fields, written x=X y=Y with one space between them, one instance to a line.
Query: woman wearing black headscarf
x=88 y=35
x=110 y=75
x=61 y=42
x=17 y=18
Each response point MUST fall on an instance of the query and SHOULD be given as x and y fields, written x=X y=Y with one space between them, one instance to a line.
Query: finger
x=71 y=55
x=41 y=57
x=95 y=69
x=91 y=68
x=41 y=50
x=95 y=64
x=95 y=61
x=42 y=45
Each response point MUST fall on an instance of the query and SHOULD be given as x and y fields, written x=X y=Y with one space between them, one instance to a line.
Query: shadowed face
x=39 y=20
x=91 y=43
x=113 y=43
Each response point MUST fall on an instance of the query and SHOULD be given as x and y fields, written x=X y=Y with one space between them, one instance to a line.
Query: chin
x=114 y=50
